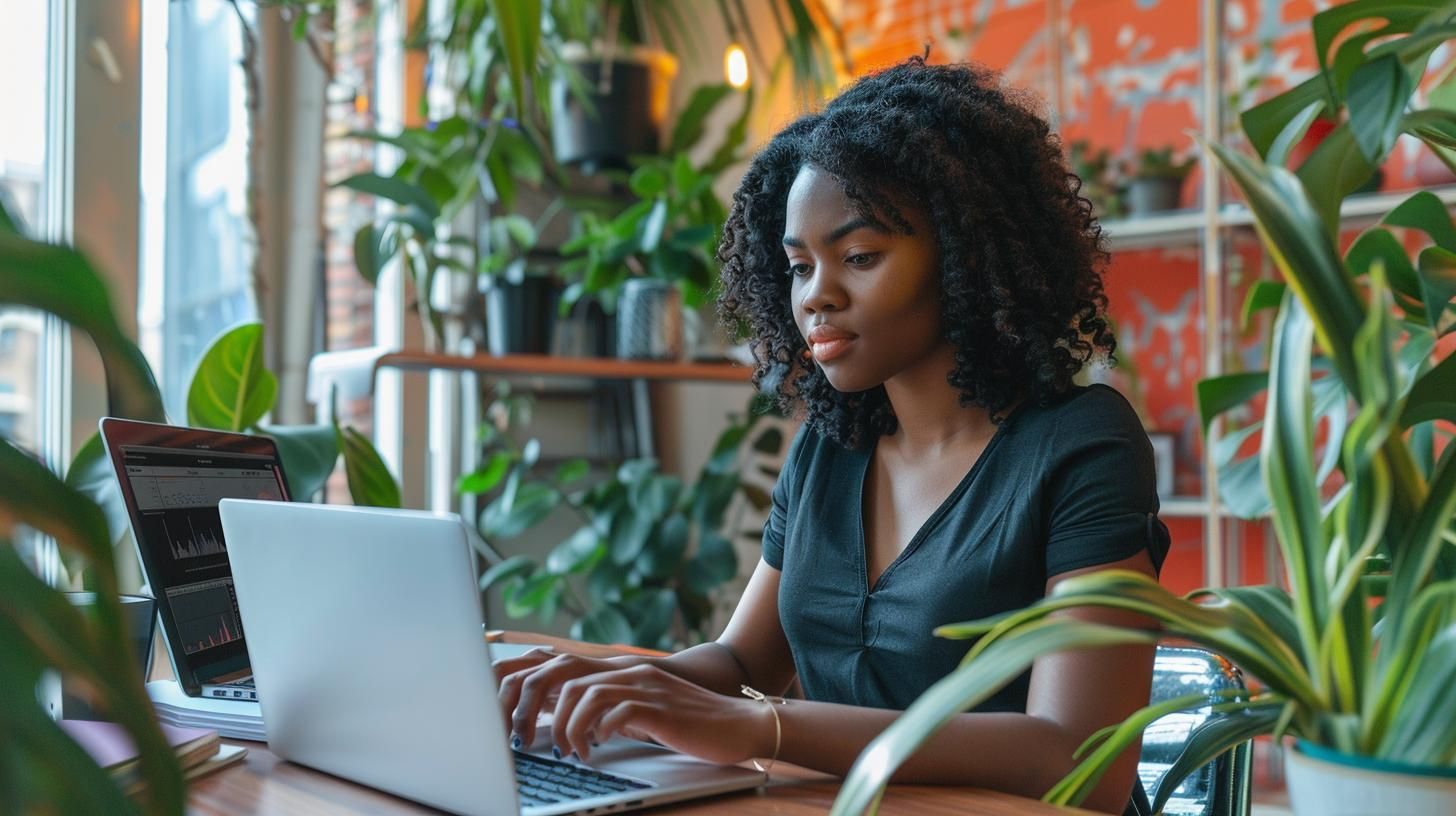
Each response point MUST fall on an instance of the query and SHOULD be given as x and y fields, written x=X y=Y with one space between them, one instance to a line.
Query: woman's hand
x=648 y=703
x=530 y=683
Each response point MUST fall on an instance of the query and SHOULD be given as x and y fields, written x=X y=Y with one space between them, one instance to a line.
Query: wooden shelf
x=545 y=365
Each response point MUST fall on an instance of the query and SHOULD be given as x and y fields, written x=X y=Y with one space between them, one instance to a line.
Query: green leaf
x=1434 y=127
x=714 y=564
x=513 y=514
x=1264 y=123
x=92 y=475
x=1433 y=396
x=485 y=478
x=61 y=281
x=1208 y=741
x=630 y=530
x=1421 y=732
x=1377 y=96
x=690 y=123
x=1426 y=212
x=1219 y=394
x=1335 y=169
x=1264 y=294
x=370 y=482
x=366 y=253
x=648 y=181
x=1378 y=244
x=650 y=236
x=963 y=689
x=399 y=191
x=308 y=454
x=528 y=593
x=603 y=625
x=658 y=610
x=665 y=547
x=508 y=568
x=231 y=389
x=518 y=25
x=577 y=553
x=572 y=471
x=1437 y=268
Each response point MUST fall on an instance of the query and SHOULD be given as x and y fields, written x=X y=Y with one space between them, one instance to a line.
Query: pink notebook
x=112 y=748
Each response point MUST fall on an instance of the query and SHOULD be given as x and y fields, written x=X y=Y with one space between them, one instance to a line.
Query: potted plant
x=1354 y=660
x=651 y=551
x=1156 y=183
x=521 y=288
x=654 y=259
x=41 y=768
x=1096 y=170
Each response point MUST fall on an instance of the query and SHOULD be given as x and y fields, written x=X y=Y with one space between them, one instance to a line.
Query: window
x=197 y=241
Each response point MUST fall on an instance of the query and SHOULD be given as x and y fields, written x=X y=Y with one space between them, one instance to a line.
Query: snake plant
x=1358 y=652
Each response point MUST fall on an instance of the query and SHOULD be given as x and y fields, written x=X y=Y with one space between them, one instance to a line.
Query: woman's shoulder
x=1082 y=408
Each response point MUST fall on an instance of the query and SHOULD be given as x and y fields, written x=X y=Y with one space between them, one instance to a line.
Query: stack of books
x=237 y=719
x=198 y=750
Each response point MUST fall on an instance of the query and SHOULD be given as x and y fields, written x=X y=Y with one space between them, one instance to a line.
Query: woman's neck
x=928 y=410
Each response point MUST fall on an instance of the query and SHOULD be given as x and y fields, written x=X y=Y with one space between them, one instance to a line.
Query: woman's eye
x=861 y=259
x=798 y=270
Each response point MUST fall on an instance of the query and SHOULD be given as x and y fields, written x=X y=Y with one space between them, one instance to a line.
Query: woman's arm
x=1072 y=695
x=752 y=651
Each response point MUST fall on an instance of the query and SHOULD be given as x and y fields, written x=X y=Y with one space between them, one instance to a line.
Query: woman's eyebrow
x=840 y=231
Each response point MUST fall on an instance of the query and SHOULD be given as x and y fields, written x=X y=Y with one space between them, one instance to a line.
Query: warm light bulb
x=735 y=66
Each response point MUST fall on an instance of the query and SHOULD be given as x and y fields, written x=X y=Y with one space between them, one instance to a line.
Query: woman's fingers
x=576 y=732
x=642 y=678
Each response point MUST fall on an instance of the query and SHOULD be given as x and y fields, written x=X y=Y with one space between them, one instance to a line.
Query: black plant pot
x=1149 y=194
x=520 y=315
x=629 y=96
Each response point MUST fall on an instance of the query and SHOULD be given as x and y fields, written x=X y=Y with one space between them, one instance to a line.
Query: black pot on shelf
x=1153 y=194
x=520 y=313
x=628 y=94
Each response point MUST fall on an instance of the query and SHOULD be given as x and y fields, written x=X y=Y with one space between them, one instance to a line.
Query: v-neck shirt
x=1059 y=487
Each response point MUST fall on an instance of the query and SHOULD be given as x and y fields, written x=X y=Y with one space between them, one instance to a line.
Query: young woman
x=921 y=279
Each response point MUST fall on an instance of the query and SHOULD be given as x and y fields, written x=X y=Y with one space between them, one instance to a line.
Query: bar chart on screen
x=193 y=535
x=207 y=615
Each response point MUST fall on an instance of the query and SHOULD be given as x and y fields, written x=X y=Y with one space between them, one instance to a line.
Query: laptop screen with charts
x=171 y=479
x=371 y=665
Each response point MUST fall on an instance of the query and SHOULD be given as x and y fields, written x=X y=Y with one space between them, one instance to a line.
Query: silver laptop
x=364 y=628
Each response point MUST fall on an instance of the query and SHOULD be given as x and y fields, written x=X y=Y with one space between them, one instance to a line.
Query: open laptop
x=171 y=480
x=367 y=647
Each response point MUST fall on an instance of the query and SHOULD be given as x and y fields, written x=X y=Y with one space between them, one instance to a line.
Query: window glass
x=197 y=241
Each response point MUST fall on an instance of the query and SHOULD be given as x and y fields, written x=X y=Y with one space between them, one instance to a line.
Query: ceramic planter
x=520 y=314
x=1324 y=782
x=630 y=93
x=1147 y=195
x=649 y=320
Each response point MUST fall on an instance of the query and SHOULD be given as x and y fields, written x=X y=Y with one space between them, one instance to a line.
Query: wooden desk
x=264 y=785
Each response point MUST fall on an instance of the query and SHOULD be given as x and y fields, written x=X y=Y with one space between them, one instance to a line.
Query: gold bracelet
x=772 y=702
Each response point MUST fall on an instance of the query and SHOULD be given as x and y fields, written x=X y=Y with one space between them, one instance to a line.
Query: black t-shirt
x=1058 y=488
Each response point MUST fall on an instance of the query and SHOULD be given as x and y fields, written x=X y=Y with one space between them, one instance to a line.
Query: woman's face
x=866 y=298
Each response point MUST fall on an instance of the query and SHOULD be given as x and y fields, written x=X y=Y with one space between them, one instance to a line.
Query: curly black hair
x=1021 y=254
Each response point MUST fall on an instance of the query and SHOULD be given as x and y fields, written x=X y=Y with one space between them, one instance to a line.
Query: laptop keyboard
x=540 y=781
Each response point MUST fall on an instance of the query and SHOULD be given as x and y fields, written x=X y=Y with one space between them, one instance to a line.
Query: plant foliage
x=1357 y=653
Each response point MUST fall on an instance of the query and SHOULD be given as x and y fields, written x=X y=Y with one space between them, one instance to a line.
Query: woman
x=919 y=275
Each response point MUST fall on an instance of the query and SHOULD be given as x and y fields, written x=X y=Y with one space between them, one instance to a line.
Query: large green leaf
x=690 y=122
x=397 y=190
x=1433 y=396
x=577 y=553
x=1379 y=244
x=1286 y=453
x=962 y=689
x=518 y=24
x=1437 y=268
x=308 y=453
x=1377 y=96
x=1219 y=394
x=59 y=280
x=1264 y=123
x=1209 y=740
x=1336 y=168
x=92 y=475
x=604 y=624
x=231 y=389
x=370 y=482
x=1421 y=733
x=714 y=563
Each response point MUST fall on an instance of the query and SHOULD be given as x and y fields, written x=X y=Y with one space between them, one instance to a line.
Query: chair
x=1220 y=788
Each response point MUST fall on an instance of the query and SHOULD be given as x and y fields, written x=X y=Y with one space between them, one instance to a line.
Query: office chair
x=1220 y=788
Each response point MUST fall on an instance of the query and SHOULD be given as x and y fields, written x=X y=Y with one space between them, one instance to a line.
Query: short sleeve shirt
x=1059 y=487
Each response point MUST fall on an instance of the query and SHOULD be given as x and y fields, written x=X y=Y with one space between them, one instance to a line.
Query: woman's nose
x=822 y=293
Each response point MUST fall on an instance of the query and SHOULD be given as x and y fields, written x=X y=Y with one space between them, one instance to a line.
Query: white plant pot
x=1323 y=782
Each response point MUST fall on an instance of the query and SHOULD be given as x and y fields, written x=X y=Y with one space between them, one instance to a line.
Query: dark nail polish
x=555 y=752
x=516 y=742
x=595 y=744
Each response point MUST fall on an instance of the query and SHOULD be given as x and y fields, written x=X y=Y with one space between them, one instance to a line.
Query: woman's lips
x=828 y=342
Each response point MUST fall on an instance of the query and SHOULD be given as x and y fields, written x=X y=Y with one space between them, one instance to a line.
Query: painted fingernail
x=555 y=752
x=516 y=742
x=595 y=744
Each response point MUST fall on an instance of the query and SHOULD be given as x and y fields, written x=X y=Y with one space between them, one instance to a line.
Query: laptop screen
x=174 y=492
